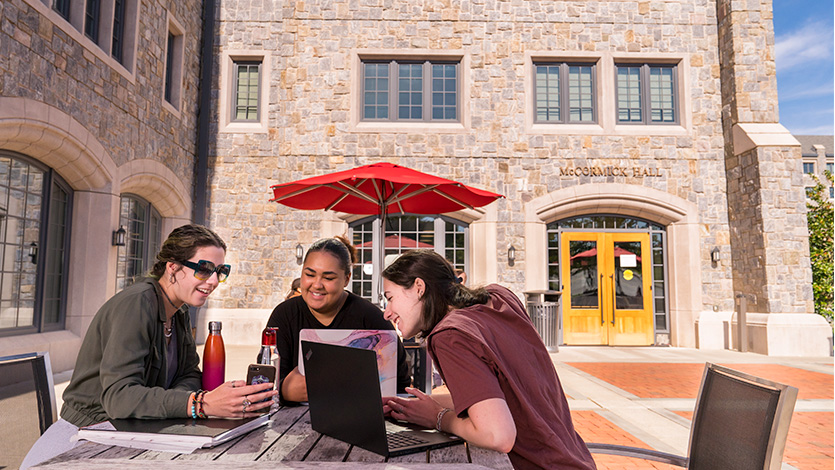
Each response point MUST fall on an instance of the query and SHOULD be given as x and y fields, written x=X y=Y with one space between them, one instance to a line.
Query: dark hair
x=181 y=245
x=340 y=248
x=294 y=287
x=442 y=287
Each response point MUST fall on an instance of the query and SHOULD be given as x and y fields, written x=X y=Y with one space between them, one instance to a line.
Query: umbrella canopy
x=381 y=188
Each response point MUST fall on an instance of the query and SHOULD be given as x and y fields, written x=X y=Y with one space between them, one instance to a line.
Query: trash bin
x=545 y=312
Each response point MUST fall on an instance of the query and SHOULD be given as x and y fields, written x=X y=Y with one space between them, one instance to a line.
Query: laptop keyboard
x=397 y=440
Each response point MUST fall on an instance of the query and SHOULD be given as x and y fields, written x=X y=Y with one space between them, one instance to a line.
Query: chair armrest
x=637 y=452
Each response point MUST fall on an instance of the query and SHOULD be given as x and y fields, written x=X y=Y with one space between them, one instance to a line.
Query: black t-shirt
x=293 y=315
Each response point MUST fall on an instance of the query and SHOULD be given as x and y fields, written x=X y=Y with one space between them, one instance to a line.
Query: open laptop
x=343 y=392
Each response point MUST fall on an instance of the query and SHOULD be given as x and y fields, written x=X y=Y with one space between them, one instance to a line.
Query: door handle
x=614 y=293
x=600 y=301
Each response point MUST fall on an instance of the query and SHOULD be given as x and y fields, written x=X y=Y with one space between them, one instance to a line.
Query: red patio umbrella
x=381 y=188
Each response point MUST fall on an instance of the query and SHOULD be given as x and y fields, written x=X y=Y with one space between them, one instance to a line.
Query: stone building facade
x=646 y=176
x=85 y=105
x=721 y=184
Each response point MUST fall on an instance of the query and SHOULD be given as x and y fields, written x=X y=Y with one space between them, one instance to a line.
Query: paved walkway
x=645 y=396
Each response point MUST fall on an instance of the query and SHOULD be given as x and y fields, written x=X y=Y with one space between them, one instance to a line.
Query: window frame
x=50 y=179
x=233 y=108
x=645 y=69
x=564 y=81
x=810 y=166
x=427 y=89
x=151 y=240
x=172 y=86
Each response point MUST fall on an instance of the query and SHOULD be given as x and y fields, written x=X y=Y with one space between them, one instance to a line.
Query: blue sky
x=803 y=35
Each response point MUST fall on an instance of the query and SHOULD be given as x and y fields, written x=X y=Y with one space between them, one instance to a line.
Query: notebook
x=345 y=402
x=383 y=342
x=181 y=435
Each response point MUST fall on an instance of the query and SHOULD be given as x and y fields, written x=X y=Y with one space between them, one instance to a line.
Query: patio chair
x=740 y=422
x=27 y=404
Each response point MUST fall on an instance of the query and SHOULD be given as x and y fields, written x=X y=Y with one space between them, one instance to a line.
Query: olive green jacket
x=121 y=367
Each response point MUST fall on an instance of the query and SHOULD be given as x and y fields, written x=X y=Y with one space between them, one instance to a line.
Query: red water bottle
x=267 y=346
x=214 y=358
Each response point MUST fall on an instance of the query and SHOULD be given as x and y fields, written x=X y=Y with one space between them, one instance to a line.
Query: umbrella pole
x=381 y=255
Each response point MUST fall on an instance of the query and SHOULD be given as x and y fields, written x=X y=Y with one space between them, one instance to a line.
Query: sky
x=803 y=36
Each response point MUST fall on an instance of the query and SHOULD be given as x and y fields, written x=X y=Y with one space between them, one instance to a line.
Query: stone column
x=766 y=199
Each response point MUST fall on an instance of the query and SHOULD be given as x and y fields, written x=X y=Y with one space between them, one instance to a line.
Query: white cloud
x=812 y=44
x=804 y=91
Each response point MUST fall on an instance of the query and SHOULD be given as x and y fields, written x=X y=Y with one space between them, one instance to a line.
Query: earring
x=172 y=280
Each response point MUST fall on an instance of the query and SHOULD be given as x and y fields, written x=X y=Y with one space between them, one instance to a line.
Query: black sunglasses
x=203 y=269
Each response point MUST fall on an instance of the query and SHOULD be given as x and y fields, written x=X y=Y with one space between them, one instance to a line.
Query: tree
x=820 y=215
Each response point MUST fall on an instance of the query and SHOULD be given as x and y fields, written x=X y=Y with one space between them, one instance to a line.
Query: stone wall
x=313 y=127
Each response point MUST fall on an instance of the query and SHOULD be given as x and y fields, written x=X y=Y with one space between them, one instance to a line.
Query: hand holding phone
x=260 y=374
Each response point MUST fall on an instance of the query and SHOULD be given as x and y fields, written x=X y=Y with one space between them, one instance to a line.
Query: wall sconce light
x=511 y=256
x=119 y=236
x=299 y=253
x=714 y=254
x=33 y=252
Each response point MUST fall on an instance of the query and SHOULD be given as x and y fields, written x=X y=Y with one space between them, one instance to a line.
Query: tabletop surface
x=287 y=439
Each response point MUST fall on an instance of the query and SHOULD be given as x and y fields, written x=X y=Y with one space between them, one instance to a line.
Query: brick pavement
x=810 y=441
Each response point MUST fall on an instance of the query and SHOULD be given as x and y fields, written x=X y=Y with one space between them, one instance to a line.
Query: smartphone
x=260 y=374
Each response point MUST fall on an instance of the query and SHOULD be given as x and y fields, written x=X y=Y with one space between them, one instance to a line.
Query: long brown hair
x=181 y=245
x=442 y=287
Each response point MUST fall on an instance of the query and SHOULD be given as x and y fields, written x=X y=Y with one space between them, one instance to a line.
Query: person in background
x=462 y=276
x=295 y=289
x=501 y=381
x=138 y=358
x=324 y=303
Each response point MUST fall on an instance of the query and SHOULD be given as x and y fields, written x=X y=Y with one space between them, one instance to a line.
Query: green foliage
x=820 y=215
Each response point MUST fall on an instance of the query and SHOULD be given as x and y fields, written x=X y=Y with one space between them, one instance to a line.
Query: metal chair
x=25 y=384
x=740 y=422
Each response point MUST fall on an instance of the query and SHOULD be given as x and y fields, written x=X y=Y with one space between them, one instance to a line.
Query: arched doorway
x=611 y=271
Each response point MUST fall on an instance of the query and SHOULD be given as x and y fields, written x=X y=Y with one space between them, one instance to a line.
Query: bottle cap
x=268 y=337
x=215 y=326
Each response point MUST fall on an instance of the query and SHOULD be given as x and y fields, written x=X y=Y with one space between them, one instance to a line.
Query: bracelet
x=191 y=400
x=200 y=401
x=441 y=417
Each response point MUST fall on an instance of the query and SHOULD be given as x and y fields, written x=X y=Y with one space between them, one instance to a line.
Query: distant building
x=818 y=155
x=646 y=175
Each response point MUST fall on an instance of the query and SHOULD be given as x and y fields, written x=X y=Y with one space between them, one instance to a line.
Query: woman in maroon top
x=504 y=393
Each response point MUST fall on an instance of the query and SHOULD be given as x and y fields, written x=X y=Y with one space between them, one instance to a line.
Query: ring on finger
x=246 y=402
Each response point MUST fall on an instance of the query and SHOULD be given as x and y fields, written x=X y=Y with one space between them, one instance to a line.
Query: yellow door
x=606 y=284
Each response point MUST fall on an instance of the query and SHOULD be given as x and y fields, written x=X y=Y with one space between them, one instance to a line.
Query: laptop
x=343 y=393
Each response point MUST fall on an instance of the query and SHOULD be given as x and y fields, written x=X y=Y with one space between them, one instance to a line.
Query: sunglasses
x=203 y=269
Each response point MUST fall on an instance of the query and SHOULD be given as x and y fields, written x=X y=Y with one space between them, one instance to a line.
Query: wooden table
x=288 y=442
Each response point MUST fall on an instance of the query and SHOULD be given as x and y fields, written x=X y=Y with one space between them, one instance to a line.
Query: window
x=142 y=241
x=63 y=8
x=247 y=90
x=646 y=94
x=35 y=208
x=809 y=168
x=173 y=65
x=564 y=93
x=829 y=167
x=91 y=20
x=410 y=91
x=403 y=233
x=118 y=44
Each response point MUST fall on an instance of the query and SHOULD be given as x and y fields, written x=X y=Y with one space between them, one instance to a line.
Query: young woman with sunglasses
x=324 y=303
x=139 y=359
x=502 y=383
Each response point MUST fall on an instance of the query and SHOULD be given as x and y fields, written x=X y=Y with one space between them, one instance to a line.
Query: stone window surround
x=176 y=29
x=604 y=94
x=565 y=91
x=426 y=127
x=228 y=58
x=74 y=28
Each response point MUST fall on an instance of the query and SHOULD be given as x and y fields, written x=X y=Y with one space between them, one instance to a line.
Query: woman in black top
x=325 y=304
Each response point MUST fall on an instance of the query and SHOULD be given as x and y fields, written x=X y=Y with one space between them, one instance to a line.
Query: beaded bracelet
x=200 y=401
x=191 y=400
x=441 y=417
